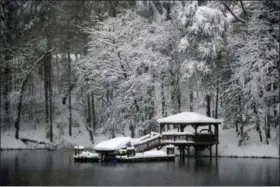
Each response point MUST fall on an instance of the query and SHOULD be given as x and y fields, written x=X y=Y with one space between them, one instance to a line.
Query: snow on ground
x=228 y=141
x=8 y=141
x=253 y=148
x=79 y=136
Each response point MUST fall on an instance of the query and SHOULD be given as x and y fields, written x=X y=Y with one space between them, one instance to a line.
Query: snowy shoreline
x=227 y=148
x=177 y=155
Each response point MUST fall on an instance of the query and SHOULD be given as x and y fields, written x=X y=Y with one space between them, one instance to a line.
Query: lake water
x=58 y=168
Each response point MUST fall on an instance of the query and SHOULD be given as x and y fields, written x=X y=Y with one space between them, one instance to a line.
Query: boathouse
x=205 y=133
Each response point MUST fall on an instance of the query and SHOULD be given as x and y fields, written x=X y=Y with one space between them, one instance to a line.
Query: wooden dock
x=146 y=159
x=148 y=156
x=205 y=139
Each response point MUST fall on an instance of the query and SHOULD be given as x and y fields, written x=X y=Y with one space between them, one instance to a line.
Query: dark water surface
x=58 y=168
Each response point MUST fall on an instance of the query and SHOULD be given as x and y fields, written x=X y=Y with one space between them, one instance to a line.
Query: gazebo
x=205 y=138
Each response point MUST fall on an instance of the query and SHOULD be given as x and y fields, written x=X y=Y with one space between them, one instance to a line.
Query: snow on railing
x=177 y=133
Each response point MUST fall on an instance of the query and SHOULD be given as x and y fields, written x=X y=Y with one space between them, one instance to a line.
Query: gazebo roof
x=188 y=118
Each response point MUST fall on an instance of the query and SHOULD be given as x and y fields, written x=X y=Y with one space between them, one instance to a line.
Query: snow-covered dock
x=154 y=155
x=86 y=156
x=144 y=143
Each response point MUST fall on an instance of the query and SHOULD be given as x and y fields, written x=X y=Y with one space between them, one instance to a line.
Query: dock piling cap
x=78 y=147
x=130 y=148
x=170 y=146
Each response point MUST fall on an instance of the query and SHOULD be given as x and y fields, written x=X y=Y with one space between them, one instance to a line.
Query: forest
x=114 y=67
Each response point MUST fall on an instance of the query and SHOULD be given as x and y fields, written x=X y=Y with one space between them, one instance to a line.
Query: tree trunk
x=19 y=108
x=69 y=98
x=6 y=94
x=191 y=99
x=46 y=86
x=268 y=126
x=132 y=129
x=93 y=112
x=258 y=128
x=89 y=117
x=108 y=94
x=58 y=72
x=217 y=99
x=173 y=91
x=163 y=110
x=278 y=67
x=151 y=93
x=208 y=105
x=0 y=102
x=49 y=59
x=266 y=130
x=240 y=115
x=236 y=126
x=178 y=93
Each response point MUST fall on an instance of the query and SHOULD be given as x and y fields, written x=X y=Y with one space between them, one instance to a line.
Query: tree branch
x=243 y=8
x=233 y=14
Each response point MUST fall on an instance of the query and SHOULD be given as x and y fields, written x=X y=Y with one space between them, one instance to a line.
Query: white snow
x=115 y=144
x=146 y=139
x=170 y=146
x=254 y=148
x=177 y=133
x=147 y=154
x=79 y=147
x=79 y=136
x=87 y=154
x=121 y=142
x=130 y=148
x=8 y=141
x=228 y=142
x=177 y=141
x=188 y=117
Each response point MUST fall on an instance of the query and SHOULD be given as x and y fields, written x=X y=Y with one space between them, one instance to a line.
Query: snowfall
x=228 y=146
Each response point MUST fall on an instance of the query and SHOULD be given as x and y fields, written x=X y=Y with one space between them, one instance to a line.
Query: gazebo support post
x=217 y=138
x=210 y=128
x=182 y=127
x=182 y=150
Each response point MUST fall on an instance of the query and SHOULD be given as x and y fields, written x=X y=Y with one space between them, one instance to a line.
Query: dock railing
x=186 y=138
x=148 y=143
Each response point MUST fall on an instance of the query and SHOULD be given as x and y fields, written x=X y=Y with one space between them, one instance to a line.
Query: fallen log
x=50 y=145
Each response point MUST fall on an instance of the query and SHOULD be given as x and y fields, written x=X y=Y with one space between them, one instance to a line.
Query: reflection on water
x=57 y=168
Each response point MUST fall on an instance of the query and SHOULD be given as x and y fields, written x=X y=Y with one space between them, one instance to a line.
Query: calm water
x=58 y=168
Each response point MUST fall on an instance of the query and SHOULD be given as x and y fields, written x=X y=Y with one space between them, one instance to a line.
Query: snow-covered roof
x=189 y=118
